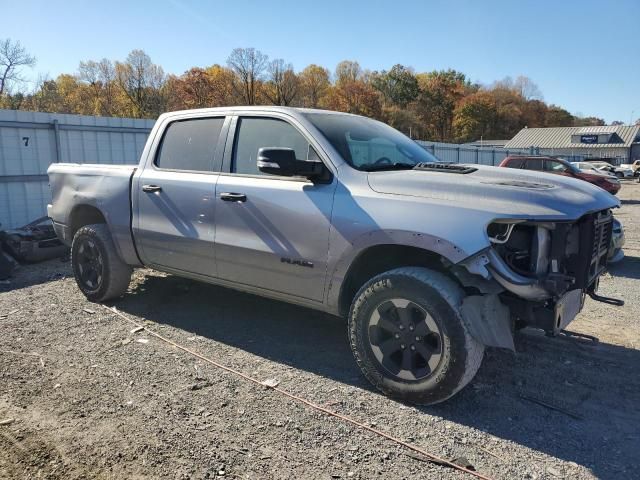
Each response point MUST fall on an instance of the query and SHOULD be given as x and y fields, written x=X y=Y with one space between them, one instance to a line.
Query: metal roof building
x=617 y=143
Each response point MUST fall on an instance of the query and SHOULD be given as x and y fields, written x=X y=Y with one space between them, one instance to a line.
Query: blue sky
x=583 y=54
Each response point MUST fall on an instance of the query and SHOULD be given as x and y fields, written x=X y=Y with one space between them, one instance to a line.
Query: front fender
x=339 y=267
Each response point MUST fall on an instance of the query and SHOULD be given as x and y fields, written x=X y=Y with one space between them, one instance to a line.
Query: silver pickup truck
x=429 y=262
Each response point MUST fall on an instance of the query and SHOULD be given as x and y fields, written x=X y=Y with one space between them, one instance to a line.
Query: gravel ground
x=90 y=399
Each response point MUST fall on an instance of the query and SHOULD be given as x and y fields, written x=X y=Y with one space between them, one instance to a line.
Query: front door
x=272 y=232
x=176 y=192
x=559 y=168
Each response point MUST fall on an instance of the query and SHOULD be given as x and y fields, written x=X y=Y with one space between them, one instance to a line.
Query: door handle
x=233 y=197
x=151 y=188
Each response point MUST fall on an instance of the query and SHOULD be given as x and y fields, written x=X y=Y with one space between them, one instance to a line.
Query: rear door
x=176 y=192
x=272 y=232
x=534 y=164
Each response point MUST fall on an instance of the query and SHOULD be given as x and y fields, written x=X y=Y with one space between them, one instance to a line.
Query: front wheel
x=99 y=271
x=408 y=336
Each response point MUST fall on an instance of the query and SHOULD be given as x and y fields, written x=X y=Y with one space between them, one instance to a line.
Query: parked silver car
x=430 y=263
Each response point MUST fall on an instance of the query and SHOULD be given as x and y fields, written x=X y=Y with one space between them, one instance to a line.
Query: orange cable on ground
x=430 y=456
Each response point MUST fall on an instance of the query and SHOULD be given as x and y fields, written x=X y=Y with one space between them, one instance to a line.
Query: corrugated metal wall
x=454 y=153
x=31 y=141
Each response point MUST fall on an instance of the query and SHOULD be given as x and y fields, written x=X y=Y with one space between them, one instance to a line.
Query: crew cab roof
x=293 y=111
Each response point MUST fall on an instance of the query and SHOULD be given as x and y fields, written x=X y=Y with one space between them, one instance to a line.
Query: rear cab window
x=190 y=145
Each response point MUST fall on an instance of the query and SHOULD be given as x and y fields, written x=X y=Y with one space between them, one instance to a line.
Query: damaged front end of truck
x=534 y=274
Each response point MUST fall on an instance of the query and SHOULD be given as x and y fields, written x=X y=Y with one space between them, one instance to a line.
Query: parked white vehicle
x=588 y=167
x=635 y=167
x=618 y=171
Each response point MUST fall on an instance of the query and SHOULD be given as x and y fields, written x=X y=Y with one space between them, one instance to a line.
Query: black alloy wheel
x=405 y=339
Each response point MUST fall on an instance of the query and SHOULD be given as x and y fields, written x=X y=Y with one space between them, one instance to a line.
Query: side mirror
x=283 y=161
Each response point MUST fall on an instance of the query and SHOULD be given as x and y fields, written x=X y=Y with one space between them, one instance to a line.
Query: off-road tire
x=116 y=275
x=440 y=297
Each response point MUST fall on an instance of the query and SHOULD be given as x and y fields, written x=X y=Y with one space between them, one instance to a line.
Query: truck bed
x=105 y=187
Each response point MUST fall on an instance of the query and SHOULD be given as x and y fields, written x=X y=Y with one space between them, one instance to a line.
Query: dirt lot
x=90 y=399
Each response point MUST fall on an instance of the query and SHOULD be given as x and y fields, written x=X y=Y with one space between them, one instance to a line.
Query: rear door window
x=190 y=145
x=534 y=164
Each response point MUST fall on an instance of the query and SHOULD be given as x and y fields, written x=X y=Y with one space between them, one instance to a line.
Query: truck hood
x=505 y=192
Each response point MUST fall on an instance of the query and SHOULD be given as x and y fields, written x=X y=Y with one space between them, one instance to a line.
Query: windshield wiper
x=388 y=166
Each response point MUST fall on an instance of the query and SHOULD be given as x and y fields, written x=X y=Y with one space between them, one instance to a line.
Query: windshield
x=560 y=167
x=367 y=144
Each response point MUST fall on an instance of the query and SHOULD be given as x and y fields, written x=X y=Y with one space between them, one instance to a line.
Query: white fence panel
x=31 y=141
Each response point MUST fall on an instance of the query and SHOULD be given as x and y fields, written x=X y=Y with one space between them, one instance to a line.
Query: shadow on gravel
x=629 y=267
x=31 y=274
x=630 y=202
x=597 y=383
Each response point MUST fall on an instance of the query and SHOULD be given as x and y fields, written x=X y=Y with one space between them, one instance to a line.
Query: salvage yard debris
x=33 y=242
x=270 y=383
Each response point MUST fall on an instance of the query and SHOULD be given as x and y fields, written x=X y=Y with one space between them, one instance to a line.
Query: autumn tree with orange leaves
x=439 y=105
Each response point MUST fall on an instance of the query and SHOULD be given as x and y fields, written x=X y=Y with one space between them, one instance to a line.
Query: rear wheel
x=408 y=337
x=99 y=271
x=619 y=174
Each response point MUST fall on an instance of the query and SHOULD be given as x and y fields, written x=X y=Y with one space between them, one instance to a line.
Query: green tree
x=475 y=117
x=403 y=119
x=558 y=117
x=534 y=113
x=588 y=121
x=397 y=86
x=440 y=91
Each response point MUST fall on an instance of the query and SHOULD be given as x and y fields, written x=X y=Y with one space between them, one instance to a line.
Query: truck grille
x=601 y=238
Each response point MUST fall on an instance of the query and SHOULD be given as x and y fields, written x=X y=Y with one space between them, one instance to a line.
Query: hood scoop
x=445 y=167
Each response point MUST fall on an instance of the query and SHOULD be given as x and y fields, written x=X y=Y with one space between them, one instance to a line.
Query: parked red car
x=561 y=167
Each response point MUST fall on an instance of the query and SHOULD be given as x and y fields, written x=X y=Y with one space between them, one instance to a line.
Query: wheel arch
x=84 y=214
x=87 y=214
x=380 y=258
